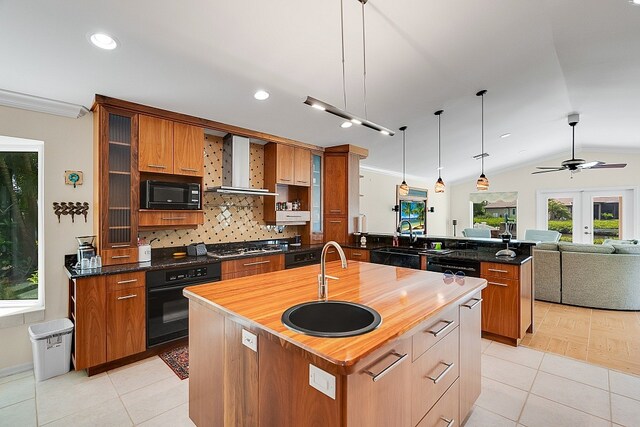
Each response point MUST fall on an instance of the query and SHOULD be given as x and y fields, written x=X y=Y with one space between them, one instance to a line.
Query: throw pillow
x=579 y=247
x=627 y=249
x=619 y=242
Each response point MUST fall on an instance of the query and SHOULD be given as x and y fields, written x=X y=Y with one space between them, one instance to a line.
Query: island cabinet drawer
x=432 y=374
x=435 y=330
x=124 y=281
x=499 y=271
x=445 y=412
x=357 y=254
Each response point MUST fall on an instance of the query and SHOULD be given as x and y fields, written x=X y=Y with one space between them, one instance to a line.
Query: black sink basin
x=332 y=319
x=399 y=257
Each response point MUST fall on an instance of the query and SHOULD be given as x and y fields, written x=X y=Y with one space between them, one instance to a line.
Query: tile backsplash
x=228 y=218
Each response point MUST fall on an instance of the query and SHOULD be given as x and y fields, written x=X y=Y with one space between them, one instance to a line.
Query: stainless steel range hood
x=236 y=169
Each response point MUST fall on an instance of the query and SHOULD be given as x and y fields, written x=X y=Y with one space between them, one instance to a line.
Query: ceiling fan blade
x=590 y=165
x=609 y=166
x=550 y=170
x=550 y=167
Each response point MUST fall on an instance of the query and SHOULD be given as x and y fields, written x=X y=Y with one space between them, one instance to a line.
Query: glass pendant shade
x=440 y=185
x=403 y=189
x=483 y=183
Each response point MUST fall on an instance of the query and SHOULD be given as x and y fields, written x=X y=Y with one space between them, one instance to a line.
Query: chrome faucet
x=412 y=238
x=323 y=279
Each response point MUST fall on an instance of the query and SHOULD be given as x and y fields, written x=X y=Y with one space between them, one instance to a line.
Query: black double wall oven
x=167 y=308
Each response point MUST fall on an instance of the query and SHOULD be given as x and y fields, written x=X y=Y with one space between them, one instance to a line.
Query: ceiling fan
x=576 y=165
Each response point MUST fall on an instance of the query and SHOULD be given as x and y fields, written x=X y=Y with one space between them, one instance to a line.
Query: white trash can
x=51 y=344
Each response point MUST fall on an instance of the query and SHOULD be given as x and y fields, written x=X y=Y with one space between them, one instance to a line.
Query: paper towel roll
x=361 y=224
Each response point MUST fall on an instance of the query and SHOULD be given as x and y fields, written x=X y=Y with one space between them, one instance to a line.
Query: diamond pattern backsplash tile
x=228 y=218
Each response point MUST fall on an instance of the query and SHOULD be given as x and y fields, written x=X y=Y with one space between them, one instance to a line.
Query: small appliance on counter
x=86 y=251
x=197 y=249
x=144 y=250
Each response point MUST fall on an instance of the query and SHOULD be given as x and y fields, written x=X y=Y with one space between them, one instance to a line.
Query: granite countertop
x=162 y=259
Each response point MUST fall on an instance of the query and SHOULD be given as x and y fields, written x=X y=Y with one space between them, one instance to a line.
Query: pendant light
x=403 y=189
x=350 y=119
x=483 y=183
x=439 y=183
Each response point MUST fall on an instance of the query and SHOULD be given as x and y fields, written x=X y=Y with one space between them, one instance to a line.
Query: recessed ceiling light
x=384 y=132
x=261 y=95
x=507 y=135
x=346 y=125
x=103 y=41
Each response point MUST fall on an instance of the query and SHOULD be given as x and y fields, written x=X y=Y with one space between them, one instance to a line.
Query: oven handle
x=168 y=288
x=455 y=267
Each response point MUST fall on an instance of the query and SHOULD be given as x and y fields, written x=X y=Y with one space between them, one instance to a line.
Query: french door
x=588 y=216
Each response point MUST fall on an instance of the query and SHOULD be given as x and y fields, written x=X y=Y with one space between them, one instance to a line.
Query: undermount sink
x=399 y=257
x=397 y=250
x=331 y=319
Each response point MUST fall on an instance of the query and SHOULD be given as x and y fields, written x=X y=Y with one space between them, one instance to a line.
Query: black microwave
x=169 y=195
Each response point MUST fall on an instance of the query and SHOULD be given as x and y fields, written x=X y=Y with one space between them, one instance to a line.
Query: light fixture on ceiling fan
x=576 y=165
x=439 y=187
x=403 y=189
x=343 y=113
x=482 y=184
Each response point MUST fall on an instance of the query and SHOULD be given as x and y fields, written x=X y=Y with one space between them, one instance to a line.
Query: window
x=494 y=211
x=21 y=223
x=413 y=208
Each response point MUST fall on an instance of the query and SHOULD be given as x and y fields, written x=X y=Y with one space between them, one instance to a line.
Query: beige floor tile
x=21 y=414
x=17 y=376
x=485 y=344
x=107 y=414
x=624 y=384
x=155 y=399
x=520 y=355
x=507 y=372
x=177 y=417
x=625 y=411
x=140 y=374
x=17 y=391
x=541 y=412
x=482 y=418
x=501 y=399
x=595 y=376
x=76 y=393
x=577 y=395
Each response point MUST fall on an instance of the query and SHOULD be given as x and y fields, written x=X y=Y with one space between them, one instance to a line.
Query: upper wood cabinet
x=169 y=147
x=335 y=171
x=156 y=145
x=302 y=166
x=292 y=165
x=285 y=164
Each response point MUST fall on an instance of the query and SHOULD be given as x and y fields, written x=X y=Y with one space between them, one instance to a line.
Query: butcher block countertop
x=403 y=297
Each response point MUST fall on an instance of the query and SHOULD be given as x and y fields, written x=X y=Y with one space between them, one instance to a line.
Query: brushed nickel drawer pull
x=498 y=284
x=120 y=246
x=127 y=296
x=173 y=218
x=477 y=301
x=157 y=166
x=120 y=256
x=122 y=282
x=189 y=169
x=356 y=254
x=335 y=222
x=444 y=328
x=385 y=371
x=437 y=379
x=450 y=423
x=335 y=210
x=285 y=180
x=331 y=251
x=498 y=271
x=256 y=263
x=294 y=216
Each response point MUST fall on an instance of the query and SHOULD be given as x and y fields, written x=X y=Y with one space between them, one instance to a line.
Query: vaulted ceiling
x=539 y=61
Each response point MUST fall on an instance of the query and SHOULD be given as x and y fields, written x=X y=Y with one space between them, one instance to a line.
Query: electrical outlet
x=250 y=340
x=322 y=381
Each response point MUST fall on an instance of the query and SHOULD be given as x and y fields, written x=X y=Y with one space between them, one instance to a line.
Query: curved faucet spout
x=412 y=238
x=323 y=279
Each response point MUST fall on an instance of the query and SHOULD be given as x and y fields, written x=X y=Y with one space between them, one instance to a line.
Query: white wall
x=379 y=196
x=526 y=185
x=67 y=146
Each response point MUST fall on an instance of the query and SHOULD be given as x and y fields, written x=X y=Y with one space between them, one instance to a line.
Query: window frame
x=12 y=144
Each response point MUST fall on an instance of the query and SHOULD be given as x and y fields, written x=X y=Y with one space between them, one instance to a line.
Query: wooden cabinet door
x=335 y=229
x=285 y=164
x=155 y=145
x=89 y=323
x=357 y=254
x=126 y=330
x=335 y=176
x=302 y=166
x=167 y=218
x=270 y=263
x=470 y=350
x=188 y=150
x=500 y=307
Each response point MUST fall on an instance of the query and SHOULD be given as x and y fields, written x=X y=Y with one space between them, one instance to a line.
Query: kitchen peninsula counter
x=420 y=318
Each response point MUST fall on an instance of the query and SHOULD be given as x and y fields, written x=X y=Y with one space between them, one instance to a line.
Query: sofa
x=603 y=276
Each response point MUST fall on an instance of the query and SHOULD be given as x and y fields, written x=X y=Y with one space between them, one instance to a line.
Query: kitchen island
x=419 y=367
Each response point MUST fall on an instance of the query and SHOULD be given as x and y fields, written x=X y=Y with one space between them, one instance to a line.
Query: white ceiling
x=539 y=61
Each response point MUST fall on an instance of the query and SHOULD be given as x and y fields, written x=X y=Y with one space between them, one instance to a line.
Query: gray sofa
x=603 y=276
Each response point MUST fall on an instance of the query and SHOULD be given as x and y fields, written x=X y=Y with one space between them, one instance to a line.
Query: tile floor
x=520 y=387
x=603 y=337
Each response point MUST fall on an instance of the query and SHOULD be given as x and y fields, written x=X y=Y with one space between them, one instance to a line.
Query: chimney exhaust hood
x=236 y=169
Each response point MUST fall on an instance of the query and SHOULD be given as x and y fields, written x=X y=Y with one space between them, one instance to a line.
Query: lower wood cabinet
x=249 y=266
x=126 y=329
x=357 y=254
x=336 y=229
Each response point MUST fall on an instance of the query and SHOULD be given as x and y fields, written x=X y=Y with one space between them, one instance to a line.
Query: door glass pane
x=606 y=218
x=560 y=217
x=316 y=194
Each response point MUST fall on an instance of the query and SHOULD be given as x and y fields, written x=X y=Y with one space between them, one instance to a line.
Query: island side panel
x=526 y=298
x=470 y=353
x=206 y=363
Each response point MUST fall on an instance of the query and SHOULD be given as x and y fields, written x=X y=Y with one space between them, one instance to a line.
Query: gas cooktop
x=246 y=250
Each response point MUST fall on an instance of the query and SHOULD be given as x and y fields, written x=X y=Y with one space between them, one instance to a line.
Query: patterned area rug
x=178 y=360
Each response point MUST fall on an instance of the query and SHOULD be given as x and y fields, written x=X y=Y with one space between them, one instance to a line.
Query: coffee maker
x=85 y=248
